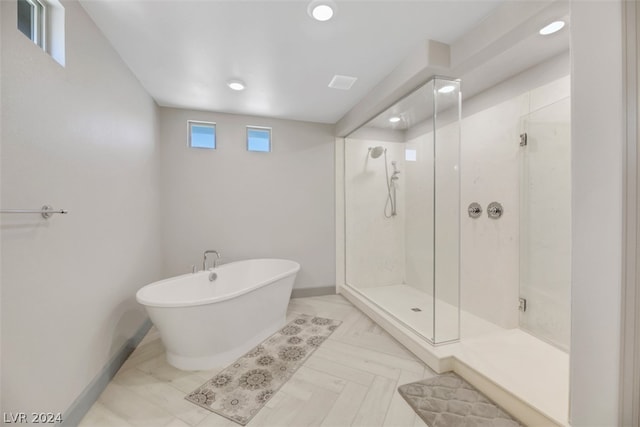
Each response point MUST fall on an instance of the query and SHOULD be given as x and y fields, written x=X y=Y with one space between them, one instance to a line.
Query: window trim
x=42 y=24
x=268 y=128
x=190 y=123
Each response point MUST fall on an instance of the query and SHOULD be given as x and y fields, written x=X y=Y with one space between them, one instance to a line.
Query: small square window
x=31 y=20
x=202 y=135
x=42 y=21
x=258 y=139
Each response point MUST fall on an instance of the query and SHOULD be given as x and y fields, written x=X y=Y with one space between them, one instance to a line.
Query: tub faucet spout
x=215 y=260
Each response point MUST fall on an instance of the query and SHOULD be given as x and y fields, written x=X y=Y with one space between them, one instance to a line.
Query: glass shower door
x=545 y=223
x=402 y=204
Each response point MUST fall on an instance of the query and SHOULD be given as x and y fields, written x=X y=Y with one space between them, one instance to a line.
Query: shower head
x=376 y=152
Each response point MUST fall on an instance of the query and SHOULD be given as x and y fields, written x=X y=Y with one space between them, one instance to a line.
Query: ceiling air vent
x=342 y=82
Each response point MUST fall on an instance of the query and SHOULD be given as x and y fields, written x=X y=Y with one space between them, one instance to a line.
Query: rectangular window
x=202 y=135
x=42 y=21
x=258 y=139
x=31 y=20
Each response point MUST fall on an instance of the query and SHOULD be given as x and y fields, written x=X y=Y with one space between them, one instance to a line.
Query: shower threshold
x=526 y=376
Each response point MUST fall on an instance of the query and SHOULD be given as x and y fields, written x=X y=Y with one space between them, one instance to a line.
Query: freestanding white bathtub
x=204 y=324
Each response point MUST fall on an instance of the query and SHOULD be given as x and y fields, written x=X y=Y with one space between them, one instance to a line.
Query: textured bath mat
x=448 y=400
x=239 y=391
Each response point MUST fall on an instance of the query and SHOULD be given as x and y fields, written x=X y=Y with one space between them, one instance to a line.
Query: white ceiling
x=183 y=52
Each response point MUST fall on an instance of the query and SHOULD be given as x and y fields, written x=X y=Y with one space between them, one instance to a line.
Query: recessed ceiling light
x=236 y=84
x=552 y=28
x=321 y=10
x=447 y=89
x=394 y=119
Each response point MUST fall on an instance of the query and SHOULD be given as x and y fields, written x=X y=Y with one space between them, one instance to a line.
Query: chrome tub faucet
x=215 y=260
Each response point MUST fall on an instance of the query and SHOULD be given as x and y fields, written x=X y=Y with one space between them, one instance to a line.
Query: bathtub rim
x=294 y=268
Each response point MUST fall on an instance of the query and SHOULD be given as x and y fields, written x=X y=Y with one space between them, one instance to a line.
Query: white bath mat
x=240 y=390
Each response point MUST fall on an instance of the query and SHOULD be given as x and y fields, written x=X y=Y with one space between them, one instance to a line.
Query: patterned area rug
x=242 y=389
x=447 y=400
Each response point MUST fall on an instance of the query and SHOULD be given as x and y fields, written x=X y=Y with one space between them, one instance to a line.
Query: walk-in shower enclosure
x=402 y=210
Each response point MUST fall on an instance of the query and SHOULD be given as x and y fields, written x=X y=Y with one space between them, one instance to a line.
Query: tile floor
x=351 y=380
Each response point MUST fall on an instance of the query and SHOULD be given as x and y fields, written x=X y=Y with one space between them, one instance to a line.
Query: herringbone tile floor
x=351 y=380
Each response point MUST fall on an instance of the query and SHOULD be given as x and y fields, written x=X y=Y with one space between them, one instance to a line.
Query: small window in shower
x=258 y=139
x=202 y=135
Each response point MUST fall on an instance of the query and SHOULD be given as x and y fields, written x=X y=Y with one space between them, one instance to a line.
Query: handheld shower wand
x=376 y=152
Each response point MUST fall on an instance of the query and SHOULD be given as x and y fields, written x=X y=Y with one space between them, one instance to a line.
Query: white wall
x=489 y=248
x=1 y=50
x=419 y=223
x=597 y=211
x=490 y=161
x=375 y=244
x=247 y=204
x=83 y=138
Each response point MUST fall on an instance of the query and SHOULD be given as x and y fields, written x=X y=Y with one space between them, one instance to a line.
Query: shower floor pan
x=524 y=375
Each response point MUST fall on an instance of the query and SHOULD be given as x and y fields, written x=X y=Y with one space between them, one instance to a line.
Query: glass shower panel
x=545 y=223
x=419 y=215
x=446 y=207
x=401 y=252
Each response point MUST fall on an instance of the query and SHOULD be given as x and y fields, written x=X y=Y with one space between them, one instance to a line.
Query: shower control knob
x=494 y=210
x=474 y=210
